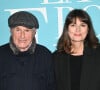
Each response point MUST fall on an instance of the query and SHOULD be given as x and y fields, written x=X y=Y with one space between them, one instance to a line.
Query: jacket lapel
x=87 y=67
x=64 y=72
x=67 y=77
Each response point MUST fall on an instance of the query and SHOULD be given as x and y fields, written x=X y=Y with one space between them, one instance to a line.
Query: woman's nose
x=78 y=28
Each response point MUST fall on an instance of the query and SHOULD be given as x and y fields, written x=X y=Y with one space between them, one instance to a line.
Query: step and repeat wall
x=51 y=15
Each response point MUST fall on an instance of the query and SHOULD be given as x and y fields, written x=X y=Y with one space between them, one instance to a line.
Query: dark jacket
x=90 y=74
x=26 y=71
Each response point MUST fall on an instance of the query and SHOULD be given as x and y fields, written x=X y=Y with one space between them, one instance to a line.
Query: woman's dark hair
x=64 y=42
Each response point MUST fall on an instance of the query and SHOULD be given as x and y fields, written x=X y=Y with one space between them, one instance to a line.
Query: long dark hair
x=64 y=42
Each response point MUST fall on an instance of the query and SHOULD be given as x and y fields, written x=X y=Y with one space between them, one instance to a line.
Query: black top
x=75 y=69
x=90 y=70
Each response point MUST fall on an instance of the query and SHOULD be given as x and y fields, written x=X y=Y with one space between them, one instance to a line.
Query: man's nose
x=22 y=34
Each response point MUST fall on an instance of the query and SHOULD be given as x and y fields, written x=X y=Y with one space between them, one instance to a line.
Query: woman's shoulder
x=59 y=54
x=97 y=49
x=60 y=57
x=56 y=52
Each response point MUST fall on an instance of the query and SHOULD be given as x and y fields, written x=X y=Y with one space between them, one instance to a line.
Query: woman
x=77 y=58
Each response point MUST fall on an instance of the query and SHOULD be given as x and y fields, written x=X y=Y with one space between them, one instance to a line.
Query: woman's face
x=77 y=31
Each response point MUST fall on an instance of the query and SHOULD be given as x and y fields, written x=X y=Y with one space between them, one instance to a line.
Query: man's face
x=22 y=37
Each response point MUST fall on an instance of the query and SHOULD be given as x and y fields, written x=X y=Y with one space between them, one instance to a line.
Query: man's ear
x=34 y=31
x=10 y=31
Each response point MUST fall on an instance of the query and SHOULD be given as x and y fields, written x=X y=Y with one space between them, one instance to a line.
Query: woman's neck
x=77 y=48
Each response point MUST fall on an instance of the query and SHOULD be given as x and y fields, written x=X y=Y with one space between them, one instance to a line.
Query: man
x=25 y=65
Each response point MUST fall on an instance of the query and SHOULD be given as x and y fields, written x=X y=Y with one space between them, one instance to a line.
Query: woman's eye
x=72 y=25
x=83 y=25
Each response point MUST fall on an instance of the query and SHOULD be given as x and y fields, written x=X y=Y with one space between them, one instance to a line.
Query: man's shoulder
x=4 y=47
x=5 y=51
x=43 y=54
x=42 y=49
